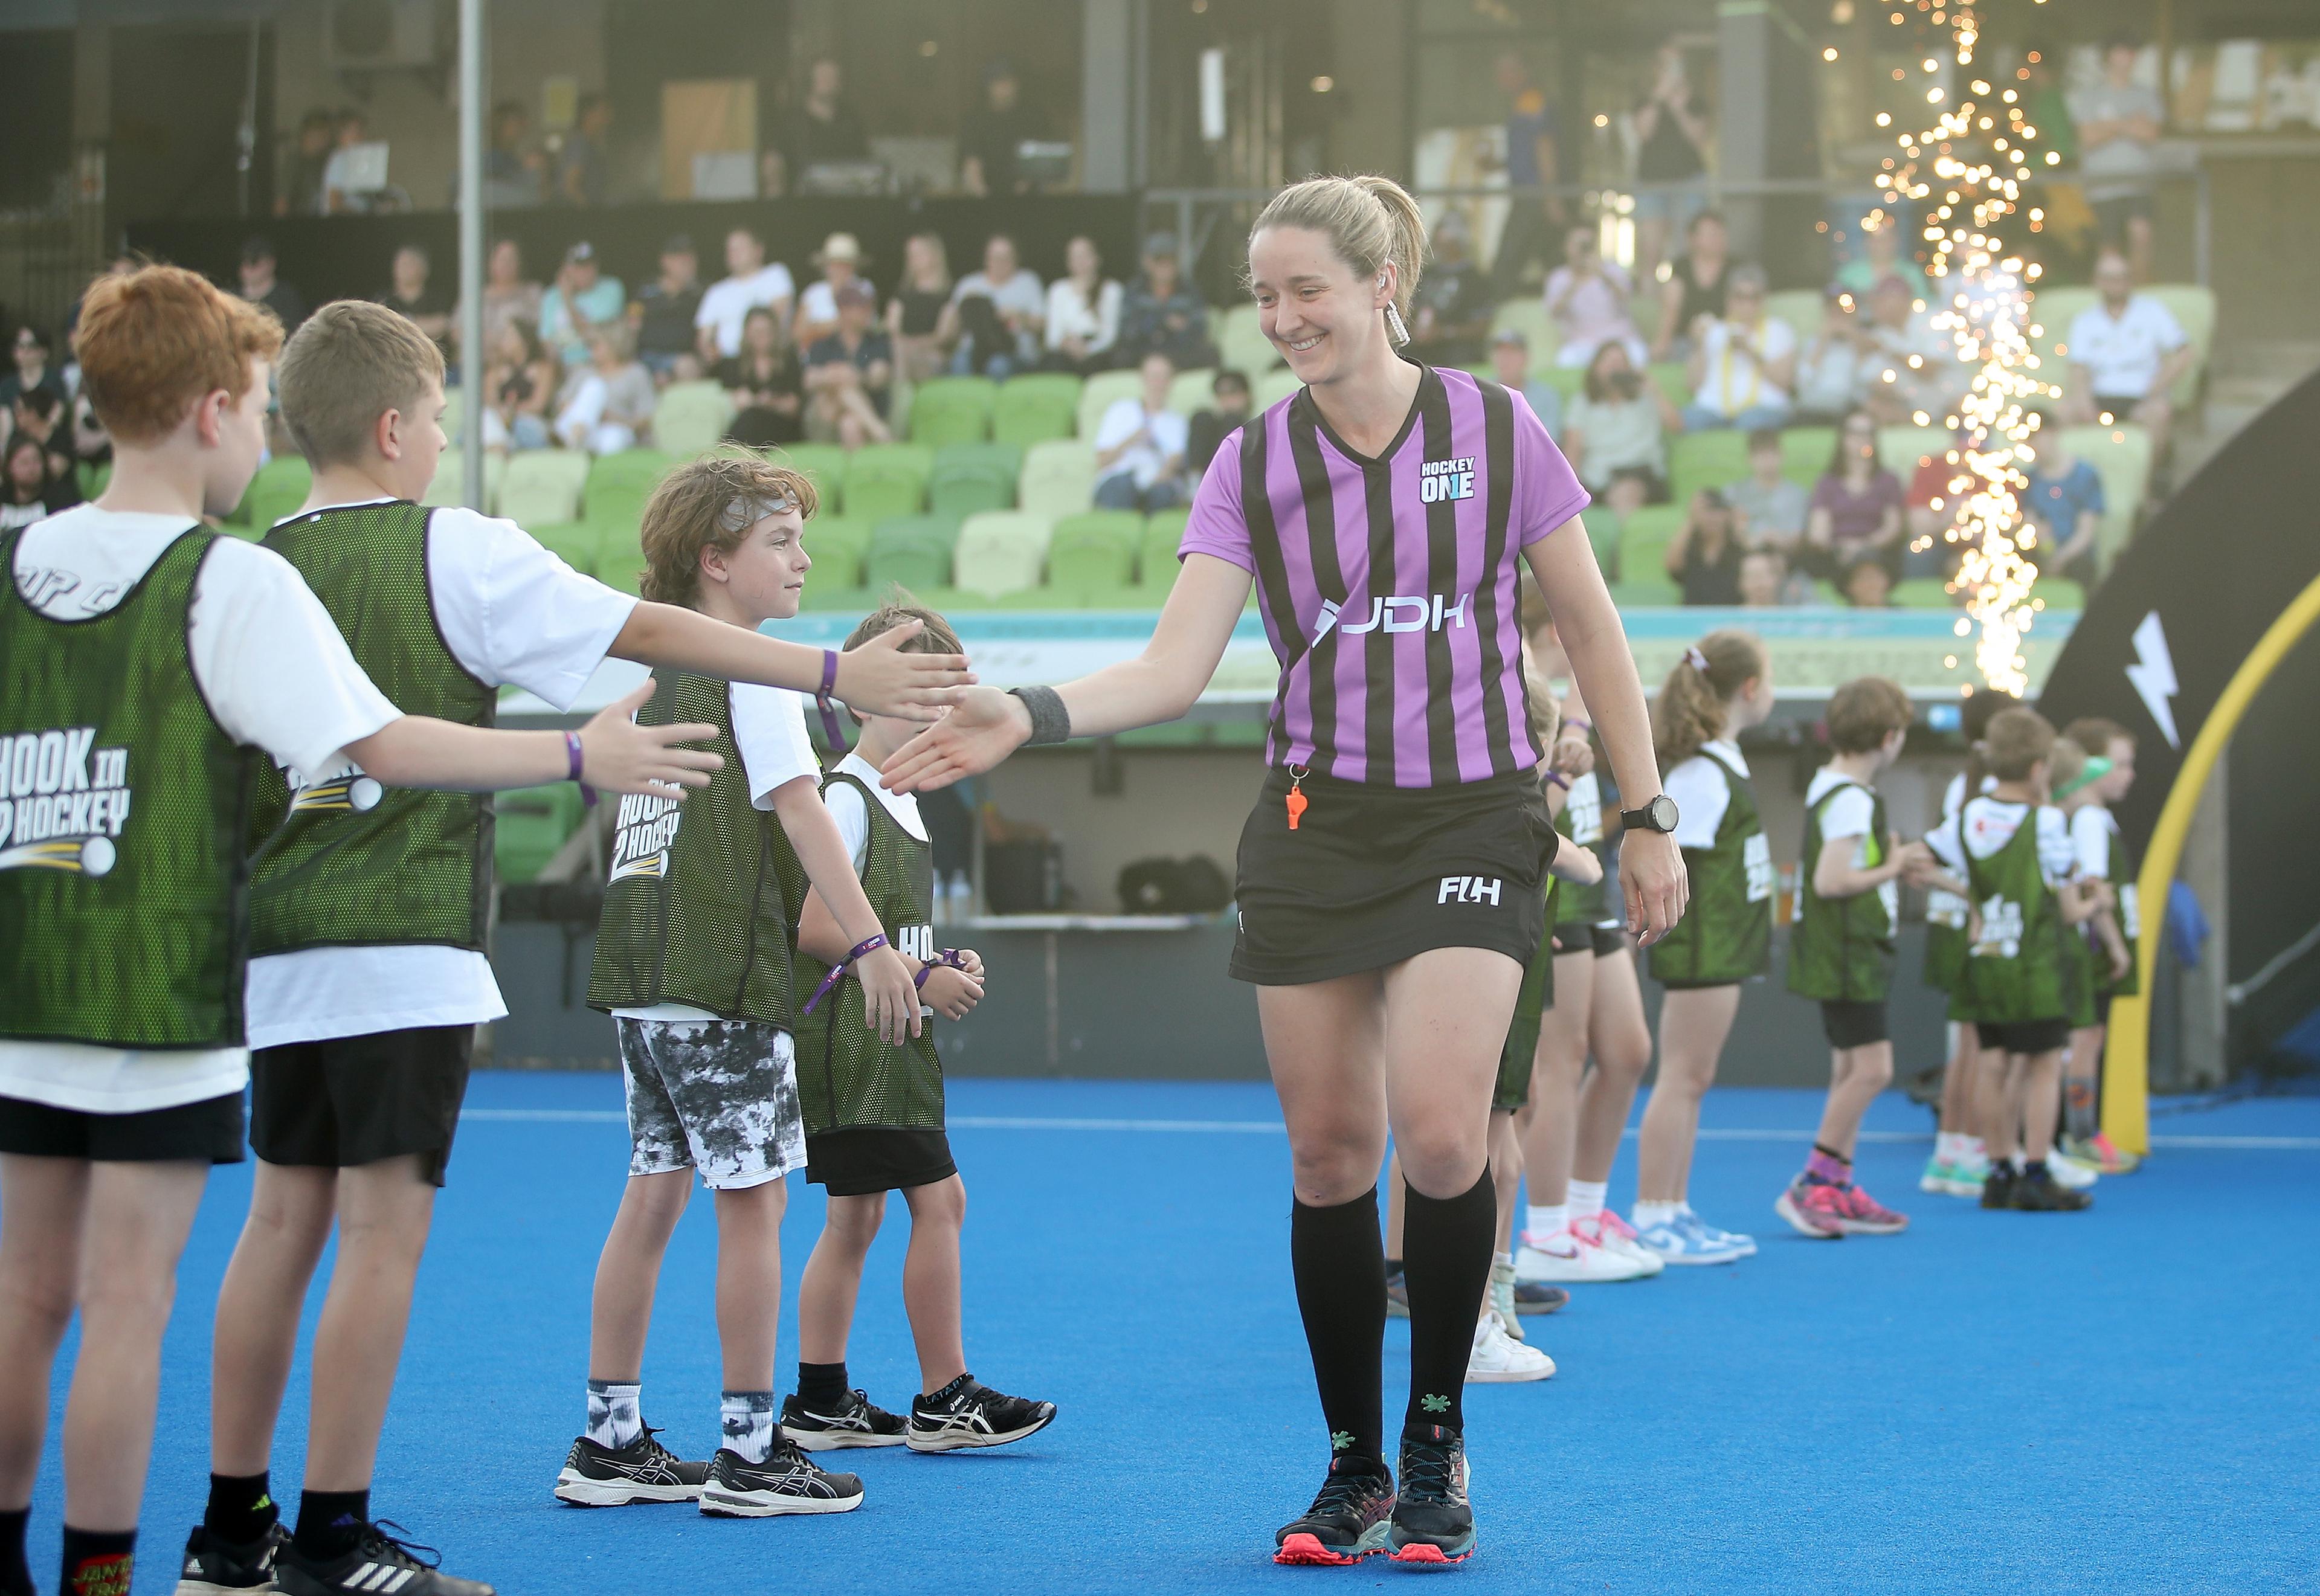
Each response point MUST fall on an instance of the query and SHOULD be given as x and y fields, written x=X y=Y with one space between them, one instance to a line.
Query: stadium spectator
x=261 y=285
x=1082 y=312
x=1001 y=310
x=1139 y=444
x=39 y=415
x=1510 y=366
x=1616 y=432
x=765 y=384
x=31 y=488
x=1743 y=362
x=2066 y=503
x=1828 y=367
x=410 y=291
x=1698 y=281
x=849 y=376
x=508 y=295
x=1912 y=370
x=584 y=169
x=1450 y=315
x=1856 y=504
x=1867 y=584
x=750 y=281
x=514 y=170
x=1766 y=506
x=519 y=385
x=1671 y=129
x=840 y=261
x=92 y=445
x=300 y=191
x=1929 y=508
x=2127 y=351
x=1703 y=558
x=991 y=140
x=1161 y=314
x=824 y=129
x=1764 y=579
x=921 y=319
x=607 y=404
x=2119 y=121
x=33 y=369
x=1881 y=258
x=582 y=300
x=341 y=197
x=663 y=311
x=1588 y=297
x=1533 y=161
x=1229 y=404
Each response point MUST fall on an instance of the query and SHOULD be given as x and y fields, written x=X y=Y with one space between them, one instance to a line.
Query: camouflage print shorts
x=716 y=1095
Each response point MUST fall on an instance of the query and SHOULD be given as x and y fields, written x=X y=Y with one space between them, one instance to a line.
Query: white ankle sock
x=1545 y=1221
x=615 y=1413
x=1648 y=1214
x=1586 y=1199
x=1946 y=1146
x=749 y=1423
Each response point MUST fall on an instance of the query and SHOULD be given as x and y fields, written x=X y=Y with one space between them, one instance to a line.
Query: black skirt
x=1375 y=874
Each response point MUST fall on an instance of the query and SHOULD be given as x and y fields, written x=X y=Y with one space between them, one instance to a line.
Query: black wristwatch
x=1658 y=815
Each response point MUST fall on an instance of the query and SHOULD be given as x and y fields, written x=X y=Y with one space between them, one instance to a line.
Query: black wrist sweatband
x=1050 y=720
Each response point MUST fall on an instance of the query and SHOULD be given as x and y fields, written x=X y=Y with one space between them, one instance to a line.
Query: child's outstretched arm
x=836 y=916
x=616 y=753
x=877 y=678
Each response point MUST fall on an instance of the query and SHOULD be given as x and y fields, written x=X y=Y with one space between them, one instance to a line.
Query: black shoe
x=599 y=1476
x=1432 y=1521
x=380 y=1563
x=2036 y=1191
x=965 y=1414
x=215 y=1566
x=1533 y=1298
x=1997 y=1189
x=785 y=1483
x=856 y=1422
x=1347 y=1519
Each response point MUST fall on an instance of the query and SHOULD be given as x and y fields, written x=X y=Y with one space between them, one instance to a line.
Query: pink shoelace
x=1857 y=1204
x=1609 y=1219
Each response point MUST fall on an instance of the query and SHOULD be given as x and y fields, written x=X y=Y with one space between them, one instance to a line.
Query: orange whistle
x=1296 y=805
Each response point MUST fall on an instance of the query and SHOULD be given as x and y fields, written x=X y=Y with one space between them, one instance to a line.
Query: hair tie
x=744 y=512
x=2096 y=767
x=1693 y=658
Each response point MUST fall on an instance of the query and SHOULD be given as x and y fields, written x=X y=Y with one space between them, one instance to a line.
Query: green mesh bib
x=1581 y=821
x=345 y=861
x=2015 y=964
x=1533 y=999
x=847 y=1078
x=122 y=803
x=697 y=908
x=1841 y=950
x=1726 y=936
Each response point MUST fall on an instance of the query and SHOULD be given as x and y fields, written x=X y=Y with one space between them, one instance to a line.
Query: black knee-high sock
x=15 y=1574
x=1339 y=1261
x=1447 y=1243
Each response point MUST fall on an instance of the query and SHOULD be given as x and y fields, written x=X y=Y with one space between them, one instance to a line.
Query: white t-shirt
x=1070 y=315
x=2121 y=354
x=1850 y=814
x=1021 y=294
x=853 y=816
x=819 y=301
x=1731 y=382
x=276 y=674
x=769 y=731
x=1986 y=825
x=1164 y=435
x=512 y=613
x=1702 y=793
x=2091 y=830
x=729 y=302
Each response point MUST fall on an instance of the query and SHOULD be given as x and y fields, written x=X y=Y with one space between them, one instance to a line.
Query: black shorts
x=877 y=1159
x=1853 y=1024
x=2023 y=1036
x=204 y=1132
x=1376 y=875
x=352 y=1101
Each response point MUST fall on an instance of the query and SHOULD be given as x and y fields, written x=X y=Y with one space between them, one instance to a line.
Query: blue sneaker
x=1676 y=1241
x=1739 y=1245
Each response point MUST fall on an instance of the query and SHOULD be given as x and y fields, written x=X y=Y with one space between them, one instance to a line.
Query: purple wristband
x=572 y=754
x=869 y=945
x=1559 y=779
x=947 y=958
x=831 y=726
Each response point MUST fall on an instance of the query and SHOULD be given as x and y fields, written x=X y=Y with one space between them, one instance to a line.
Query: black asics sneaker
x=1347 y=1519
x=787 y=1482
x=1998 y=1190
x=856 y=1422
x=2036 y=1191
x=218 y=1567
x=383 y=1564
x=1432 y=1521
x=600 y=1476
x=965 y=1414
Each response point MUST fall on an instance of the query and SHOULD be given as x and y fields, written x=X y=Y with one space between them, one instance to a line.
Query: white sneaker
x=1615 y=1236
x=1742 y=1246
x=1498 y=1360
x=1568 y=1257
x=1503 y=1296
x=2071 y=1173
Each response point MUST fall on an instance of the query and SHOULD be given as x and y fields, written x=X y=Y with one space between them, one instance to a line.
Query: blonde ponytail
x=1370 y=221
x=1691 y=711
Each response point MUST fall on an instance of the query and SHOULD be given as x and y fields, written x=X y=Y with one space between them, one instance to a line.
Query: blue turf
x=2119 y=1400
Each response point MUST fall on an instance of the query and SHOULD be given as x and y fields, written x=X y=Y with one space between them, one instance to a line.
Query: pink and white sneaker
x=1566 y=1257
x=1615 y=1236
x=1814 y=1209
x=1863 y=1215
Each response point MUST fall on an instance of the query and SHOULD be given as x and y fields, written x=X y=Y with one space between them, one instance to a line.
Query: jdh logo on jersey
x=2001 y=930
x=1442 y=480
x=641 y=833
x=1401 y=613
x=916 y=942
x=63 y=799
x=1469 y=889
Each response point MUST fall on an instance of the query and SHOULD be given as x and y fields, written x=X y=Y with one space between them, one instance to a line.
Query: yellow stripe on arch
x=2127 y=1062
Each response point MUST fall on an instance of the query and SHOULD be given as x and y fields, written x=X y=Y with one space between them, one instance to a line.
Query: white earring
x=1394 y=327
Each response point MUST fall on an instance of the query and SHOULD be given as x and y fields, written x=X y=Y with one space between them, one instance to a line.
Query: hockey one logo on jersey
x=1415 y=612
x=63 y=801
x=345 y=790
x=1440 y=481
x=2001 y=928
x=1756 y=857
x=1469 y=889
x=916 y=942
x=641 y=833
x=1584 y=811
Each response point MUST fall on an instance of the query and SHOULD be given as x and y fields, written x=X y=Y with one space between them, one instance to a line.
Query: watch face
x=1663 y=814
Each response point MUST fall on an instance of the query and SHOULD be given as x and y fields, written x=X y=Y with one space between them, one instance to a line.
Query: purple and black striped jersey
x=1389 y=585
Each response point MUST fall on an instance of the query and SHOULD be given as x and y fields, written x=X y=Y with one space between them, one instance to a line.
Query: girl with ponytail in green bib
x=1722 y=687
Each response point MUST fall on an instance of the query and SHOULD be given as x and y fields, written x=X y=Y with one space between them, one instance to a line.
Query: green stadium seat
x=2194 y=307
x=277 y=490
x=1646 y=596
x=1164 y=533
x=972 y=477
x=93 y=476
x=455 y=410
x=825 y=600
x=1924 y=592
x=1826 y=592
x=1806 y=452
x=446 y=486
x=624 y=480
x=1644 y=309
x=1035 y=407
x=1057 y=478
x=1901 y=449
x=2121 y=457
x=1565 y=380
x=910 y=551
x=883 y=479
x=824 y=465
x=1193 y=390
x=2058 y=592
x=1643 y=537
x=574 y=542
x=1094 y=552
x=1674 y=379
x=1271 y=388
x=946 y=410
x=1241 y=342
x=1528 y=317
x=531 y=824
x=1002 y=552
x=620 y=556
x=1714 y=459
x=1603 y=538
x=543 y=486
x=838 y=545
x=691 y=417
x=1798 y=307
x=1096 y=396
